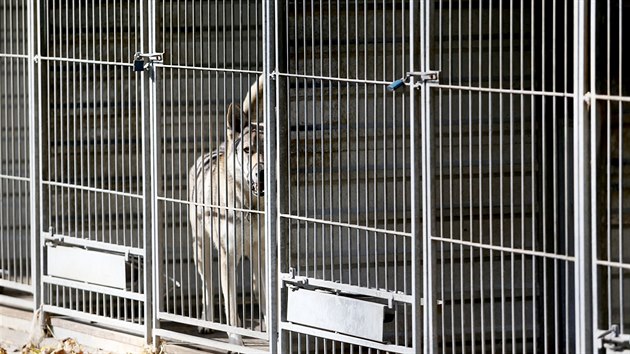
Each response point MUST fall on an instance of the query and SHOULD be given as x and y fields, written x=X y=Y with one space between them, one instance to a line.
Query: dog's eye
x=246 y=150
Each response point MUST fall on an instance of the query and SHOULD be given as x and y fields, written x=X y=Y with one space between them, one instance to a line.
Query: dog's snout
x=258 y=180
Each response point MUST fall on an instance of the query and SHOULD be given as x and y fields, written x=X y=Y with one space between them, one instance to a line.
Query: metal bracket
x=299 y=280
x=614 y=343
x=390 y=302
x=142 y=61
x=53 y=240
x=423 y=77
x=587 y=98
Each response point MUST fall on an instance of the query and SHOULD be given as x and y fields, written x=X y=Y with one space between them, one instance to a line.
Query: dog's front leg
x=228 y=287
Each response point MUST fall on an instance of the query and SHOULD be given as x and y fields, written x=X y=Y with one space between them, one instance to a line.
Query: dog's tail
x=253 y=102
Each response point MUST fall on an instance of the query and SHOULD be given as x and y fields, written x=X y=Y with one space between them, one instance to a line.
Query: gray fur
x=217 y=196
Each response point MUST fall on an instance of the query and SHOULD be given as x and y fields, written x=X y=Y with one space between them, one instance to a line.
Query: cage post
x=416 y=118
x=424 y=246
x=583 y=280
x=276 y=111
x=271 y=119
x=34 y=154
x=593 y=171
x=149 y=172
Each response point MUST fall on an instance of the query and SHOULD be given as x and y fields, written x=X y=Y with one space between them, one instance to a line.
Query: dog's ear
x=235 y=119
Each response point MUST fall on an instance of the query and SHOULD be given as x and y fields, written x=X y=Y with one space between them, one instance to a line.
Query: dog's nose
x=261 y=178
x=258 y=175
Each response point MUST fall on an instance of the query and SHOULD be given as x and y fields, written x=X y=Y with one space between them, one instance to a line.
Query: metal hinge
x=612 y=340
x=423 y=77
x=142 y=61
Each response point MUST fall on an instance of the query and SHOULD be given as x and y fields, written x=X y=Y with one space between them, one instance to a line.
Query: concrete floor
x=15 y=335
x=16 y=325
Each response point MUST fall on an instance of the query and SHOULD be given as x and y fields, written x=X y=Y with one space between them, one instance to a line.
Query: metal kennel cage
x=94 y=183
x=441 y=176
x=351 y=170
x=213 y=54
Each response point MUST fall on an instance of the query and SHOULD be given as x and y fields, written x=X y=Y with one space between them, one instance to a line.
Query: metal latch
x=298 y=279
x=423 y=77
x=141 y=61
x=612 y=340
x=53 y=240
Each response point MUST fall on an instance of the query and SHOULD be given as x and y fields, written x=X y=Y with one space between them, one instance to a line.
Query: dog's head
x=247 y=140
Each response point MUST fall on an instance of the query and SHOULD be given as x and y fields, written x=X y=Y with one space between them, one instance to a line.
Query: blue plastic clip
x=396 y=84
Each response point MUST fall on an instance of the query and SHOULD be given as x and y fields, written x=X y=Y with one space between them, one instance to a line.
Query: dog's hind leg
x=202 y=261
x=259 y=281
x=228 y=287
x=206 y=279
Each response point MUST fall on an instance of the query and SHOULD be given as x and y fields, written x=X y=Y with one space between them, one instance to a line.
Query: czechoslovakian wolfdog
x=231 y=179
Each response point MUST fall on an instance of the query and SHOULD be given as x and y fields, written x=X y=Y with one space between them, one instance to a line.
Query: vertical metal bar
x=608 y=161
x=196 y=286
x=462 y=316
x=208 y=310
x=249 y=194
x=556 y=229
x=64 y=94
x=116 y=142
x=313 y=130
x=534 y=191
x=277 y=298
x=131 y=11
x=470 y=184
x=512 y=197
x=501 y=49
x=3 y=89
x=481 y=182
x=585 y=301
x=273 y=149
x=34 y=67
x=441 y=170
x=52 y=155
x=183 y=192
x=565 y=192
x=357 y=199
x=150 y=150
x=523 y=170
x=171 y=302
x=490 y=179
x=450 y=162
x=423 y=166
x=622 y=321
x=181 y=124
x=79 y=145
